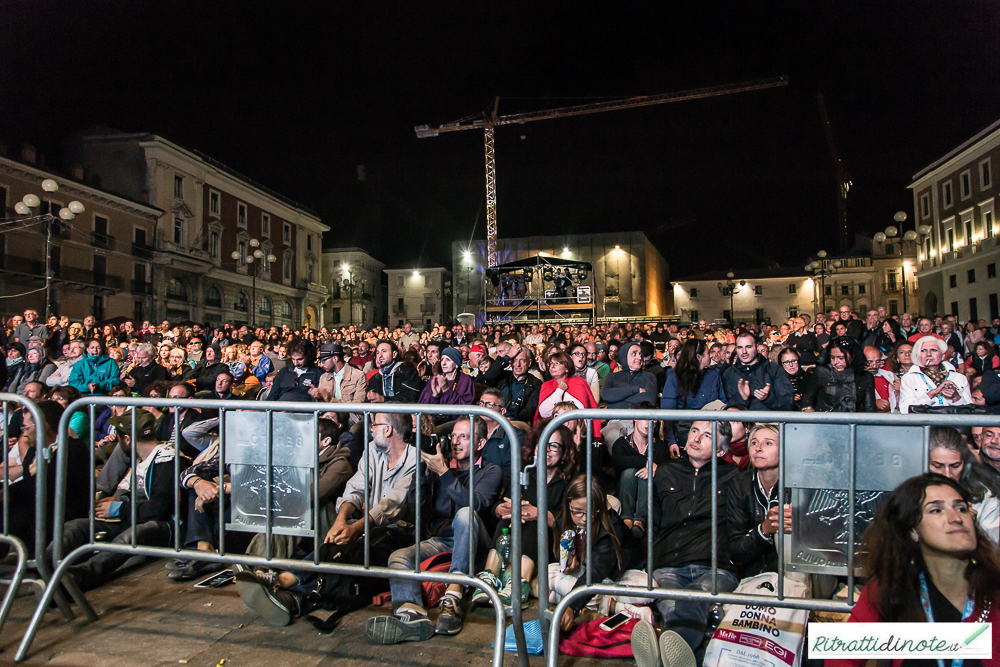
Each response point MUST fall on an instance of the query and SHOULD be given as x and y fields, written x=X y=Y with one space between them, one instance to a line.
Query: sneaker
x=274 y=605
x=481 y=597
x=408 y=624
x=645 y=648
x=176 y=564
x=450 y=621
x=634 y=611
x=194 y=569
x=507 y=592
x=674 y=651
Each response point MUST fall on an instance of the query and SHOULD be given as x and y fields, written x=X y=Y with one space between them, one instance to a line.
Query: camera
x=429 y=444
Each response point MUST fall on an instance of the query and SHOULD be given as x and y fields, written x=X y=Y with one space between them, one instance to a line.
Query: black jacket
x=144 y=376
x=824 y=391
x=759 y=374
x=745 y=511
x=290 y=386
x=806 y=345
x=524 y=408
x=991 y=390
x=205 y=374
x=684 y=525
x=625 y=456
x=405 y=387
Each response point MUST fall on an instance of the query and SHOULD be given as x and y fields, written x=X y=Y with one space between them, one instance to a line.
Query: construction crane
x=488 y=122
x=843 y=182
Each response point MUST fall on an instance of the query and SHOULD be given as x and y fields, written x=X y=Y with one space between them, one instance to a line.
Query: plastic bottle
x=503 y=550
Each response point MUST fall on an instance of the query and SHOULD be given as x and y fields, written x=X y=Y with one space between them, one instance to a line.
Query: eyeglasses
x=377 y=424
x=579 y=354
x=576 y=512
x=488 y=404
x=554 y=447
x=790 y=362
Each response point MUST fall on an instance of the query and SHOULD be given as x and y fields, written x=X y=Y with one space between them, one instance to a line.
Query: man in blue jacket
x=754 y=383
x=449 y=522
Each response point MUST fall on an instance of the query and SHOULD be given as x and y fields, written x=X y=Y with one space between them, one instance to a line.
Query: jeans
x=408 y=590
x=633 y=493
x=92 y=571
x=204 y=526
x=688 y=619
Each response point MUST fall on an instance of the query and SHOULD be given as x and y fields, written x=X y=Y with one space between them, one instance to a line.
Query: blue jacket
x=102 y=371
x=710 y=389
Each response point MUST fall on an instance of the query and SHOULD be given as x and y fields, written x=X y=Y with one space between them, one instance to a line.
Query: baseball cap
x=145 y=423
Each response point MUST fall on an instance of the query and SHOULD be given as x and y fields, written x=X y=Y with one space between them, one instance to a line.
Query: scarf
x=937 y=377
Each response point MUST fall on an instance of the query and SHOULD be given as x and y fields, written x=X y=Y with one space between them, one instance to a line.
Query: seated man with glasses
x=448 y=521
x=498 y=445
x=390 y=466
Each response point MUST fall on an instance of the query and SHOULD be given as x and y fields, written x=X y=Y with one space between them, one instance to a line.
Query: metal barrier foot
x=15 y=582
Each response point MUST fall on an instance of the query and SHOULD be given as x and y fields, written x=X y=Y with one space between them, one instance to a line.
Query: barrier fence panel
x=260 y=439
x=839 y=469
x=36 y=559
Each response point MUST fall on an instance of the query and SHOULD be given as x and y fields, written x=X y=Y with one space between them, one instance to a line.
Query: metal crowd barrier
x=550 y=629
x=37 y=560
x=367 y=570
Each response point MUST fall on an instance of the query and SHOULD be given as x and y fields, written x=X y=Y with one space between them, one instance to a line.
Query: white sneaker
x=635 y=611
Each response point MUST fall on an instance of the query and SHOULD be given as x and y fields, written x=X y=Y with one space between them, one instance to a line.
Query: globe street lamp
x=349 y=284
x=734 y=289
x=912 y=235
x=821 y=269
x=25 y=206
x=258 y=255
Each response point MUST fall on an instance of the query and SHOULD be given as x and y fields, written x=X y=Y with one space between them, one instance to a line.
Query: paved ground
x=145 y=619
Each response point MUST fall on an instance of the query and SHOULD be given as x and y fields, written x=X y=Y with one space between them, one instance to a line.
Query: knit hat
x=452 y=354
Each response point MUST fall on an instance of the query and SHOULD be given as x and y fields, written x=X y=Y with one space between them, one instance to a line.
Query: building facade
x=758 y=295
x=420 y=296
x=361 y=300
x=100 y=261
x=209 y=213
x=631 y=277
x=955 y=196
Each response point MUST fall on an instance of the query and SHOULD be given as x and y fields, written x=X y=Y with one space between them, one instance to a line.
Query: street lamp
x=734 y=289
x=820 y=268
x=258 y=255
x=25 y=206
x=913 y=236
x=349 y=284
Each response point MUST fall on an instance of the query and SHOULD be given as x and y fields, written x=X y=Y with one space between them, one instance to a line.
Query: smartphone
x=615 y=621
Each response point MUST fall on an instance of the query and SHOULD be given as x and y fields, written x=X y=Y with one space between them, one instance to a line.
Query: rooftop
x=968 y=143
x=747 y=274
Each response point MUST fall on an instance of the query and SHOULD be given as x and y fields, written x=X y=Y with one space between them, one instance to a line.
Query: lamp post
x=258 y=255
x=913 y=236
x=349 y=284
x=25 y=206
x=819 y=268
x=734 y=289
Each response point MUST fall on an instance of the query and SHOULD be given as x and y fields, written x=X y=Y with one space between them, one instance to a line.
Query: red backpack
x=434 y=590
x=589 y=641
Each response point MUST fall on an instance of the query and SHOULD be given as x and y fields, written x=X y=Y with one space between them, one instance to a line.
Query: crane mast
x=488 y=123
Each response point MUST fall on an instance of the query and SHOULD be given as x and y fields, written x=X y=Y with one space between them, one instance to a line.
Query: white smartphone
x=615 y=621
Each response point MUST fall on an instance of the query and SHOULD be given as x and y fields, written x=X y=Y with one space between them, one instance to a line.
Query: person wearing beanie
x=451 y=386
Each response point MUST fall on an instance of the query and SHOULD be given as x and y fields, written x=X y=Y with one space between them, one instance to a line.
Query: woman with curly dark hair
x=558 y=455
x=928 y=562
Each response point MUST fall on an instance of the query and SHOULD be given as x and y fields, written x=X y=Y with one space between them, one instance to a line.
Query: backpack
x=589 y=640
x=433 y=591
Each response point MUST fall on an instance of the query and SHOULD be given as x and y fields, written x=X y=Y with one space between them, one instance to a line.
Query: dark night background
x=297 y=98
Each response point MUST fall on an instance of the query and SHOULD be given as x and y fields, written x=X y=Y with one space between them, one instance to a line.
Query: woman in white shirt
x=930 y=381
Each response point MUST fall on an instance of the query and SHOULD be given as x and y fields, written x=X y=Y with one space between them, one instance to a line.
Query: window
x=240 y=302
x=991 y=270
x=967 y=223
x=726 y=291
x=309 y=241
x=694 y=316
x=988 y=223
x=953 y=280
x=829 y=290
x=242 y=247
x=241 y=215
x=694 y=292
x=286 y=234
x=286 y=268
x=891 y=281
x=213 y=245
x=985 y=175
x=98 y=310
x=893 y=307
x=954 y=308
x=946 y=194
x=265 y=306
x=178 y=231
x=845 y=290
x=727 y=315
x=178 y=187
x=265 y=224
x=758 y=315
x=793 y=311
x=862 y=289
x=994 y=307
x=973 y=309
x=758 y=290
x=400 y=281
x=793 y=288
x=214 y=205
x=428 y=280
x=972 y=276
x=965 y=184
x=176 y=290
x=925 y=205
x=138 y=312
x=213 y=297
x=286 y=309
x=951 y=240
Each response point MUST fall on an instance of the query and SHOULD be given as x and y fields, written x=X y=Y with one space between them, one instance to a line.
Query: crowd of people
x=841 y=362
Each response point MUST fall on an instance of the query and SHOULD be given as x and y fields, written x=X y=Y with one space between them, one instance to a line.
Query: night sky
x=297 y=99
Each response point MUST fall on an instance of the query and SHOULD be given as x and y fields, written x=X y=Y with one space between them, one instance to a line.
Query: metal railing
x=550 y=629
x=35 y=561
x=224 y=407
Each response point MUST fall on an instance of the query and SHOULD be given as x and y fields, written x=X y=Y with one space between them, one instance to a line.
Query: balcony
x=399 y=310
x=142 y=251
x=141 y=287
x=428 y=308
x=102 y=241
x=83 y=277
x=892 y=287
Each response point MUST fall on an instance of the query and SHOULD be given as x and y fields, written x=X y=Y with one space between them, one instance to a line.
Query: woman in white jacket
x=931 y=381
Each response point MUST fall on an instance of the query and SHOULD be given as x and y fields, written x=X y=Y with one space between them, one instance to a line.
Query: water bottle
x=503 y=551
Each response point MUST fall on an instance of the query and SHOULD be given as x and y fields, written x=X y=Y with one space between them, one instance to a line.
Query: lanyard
x=925 y=600
x=930 y=387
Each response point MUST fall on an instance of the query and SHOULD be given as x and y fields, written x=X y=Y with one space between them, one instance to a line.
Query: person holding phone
x=930 y=381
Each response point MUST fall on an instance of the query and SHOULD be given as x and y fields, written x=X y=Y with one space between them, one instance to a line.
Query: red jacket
x=575 y=387
x=865 y=612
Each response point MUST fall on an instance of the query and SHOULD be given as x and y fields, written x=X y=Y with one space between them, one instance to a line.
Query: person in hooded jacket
x=207 y=370
x=630 y=385
x=96 y=373
x=754 y=383
x=838 y=385
x=37 y=368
